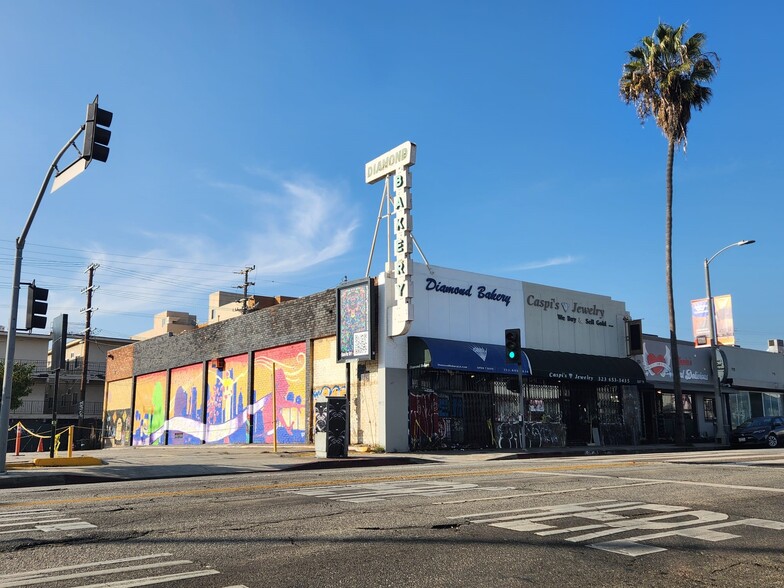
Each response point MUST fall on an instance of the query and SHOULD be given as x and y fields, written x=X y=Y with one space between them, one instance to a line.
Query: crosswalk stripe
x=38 y=512
x=35 y=522
x=41 y=520
x=39 y=580
x=151 y=581
x=106 y=562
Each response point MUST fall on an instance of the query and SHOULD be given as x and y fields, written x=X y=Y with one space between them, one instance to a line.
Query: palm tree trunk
x=680 y=429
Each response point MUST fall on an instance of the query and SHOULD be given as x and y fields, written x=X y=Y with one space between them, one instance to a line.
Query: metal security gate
x=478 y=411
x=449 y=410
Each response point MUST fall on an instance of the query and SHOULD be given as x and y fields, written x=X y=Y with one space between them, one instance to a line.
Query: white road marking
x=78 y=571
x=105 y=562
x=647 y=480
x=65 y=526
x=38 y=512
x=36 y=579
x=41 y=520
x=606 y=519
x=150 y=581
x=529 y=494
x=373 y=492
x=36 y=522
x=535 y=509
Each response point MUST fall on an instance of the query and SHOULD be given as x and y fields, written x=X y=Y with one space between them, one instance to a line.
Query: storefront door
x=579 y=409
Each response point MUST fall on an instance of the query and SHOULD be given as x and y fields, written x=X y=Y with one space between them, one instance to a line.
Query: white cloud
x=285 y=226
x=553 y=261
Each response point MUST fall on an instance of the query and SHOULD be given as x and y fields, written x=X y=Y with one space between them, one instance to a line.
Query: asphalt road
x=686 y=519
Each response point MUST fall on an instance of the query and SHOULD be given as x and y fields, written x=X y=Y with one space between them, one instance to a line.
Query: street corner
x=54 y=462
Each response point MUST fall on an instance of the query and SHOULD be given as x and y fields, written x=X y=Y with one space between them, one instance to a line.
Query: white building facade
x=445 y=383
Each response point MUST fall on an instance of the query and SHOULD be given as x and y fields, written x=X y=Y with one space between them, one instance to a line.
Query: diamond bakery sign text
x=481 y=292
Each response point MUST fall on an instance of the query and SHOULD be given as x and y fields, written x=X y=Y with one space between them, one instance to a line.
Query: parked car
x=768 y=430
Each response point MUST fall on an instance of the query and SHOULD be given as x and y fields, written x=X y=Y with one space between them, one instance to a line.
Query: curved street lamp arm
x=738 y=244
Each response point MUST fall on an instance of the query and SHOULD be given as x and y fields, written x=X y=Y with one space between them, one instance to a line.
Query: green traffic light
x=511 y=355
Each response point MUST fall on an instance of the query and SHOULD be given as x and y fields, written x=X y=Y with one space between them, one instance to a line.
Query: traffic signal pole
x=10 y=347
x=514 y=354
x=522 y=402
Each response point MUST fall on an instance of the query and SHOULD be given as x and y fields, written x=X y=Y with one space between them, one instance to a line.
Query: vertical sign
x=397 y=162
x=699 y=322
x=59 y=340
x=356 y=310
x=722 y=311
x=725 y=329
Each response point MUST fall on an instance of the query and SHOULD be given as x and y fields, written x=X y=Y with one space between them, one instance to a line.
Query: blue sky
x=241 y=130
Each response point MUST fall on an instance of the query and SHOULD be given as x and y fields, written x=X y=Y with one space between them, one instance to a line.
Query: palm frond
x=666 y=76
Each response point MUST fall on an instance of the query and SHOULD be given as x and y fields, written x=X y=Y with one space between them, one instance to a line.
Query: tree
x=666 y=78
x=21 y=384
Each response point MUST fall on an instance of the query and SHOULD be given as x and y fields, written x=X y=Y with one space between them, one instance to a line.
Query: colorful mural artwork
x=117 y=413
x=227 y=401
x=149 y=409
x=281 y=371
x=186 y=406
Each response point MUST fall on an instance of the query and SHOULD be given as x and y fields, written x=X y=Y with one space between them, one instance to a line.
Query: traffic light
x=512 y=343
x=96 y=137
x=36 y=307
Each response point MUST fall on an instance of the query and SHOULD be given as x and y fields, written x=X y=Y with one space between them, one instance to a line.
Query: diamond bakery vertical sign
x=356 y=320
x=397 y=162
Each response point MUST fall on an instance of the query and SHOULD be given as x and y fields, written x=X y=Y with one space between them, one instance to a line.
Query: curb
x=59 y=462
x=355 y=462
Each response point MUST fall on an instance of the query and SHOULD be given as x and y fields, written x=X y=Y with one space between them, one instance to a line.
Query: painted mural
x=281 y=371
x=329 y=376
x=186 y=406
x=117 y=413
x=149 y=409
x=227 y=401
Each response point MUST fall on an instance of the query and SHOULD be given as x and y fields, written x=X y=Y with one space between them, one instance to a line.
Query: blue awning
x=461 y=356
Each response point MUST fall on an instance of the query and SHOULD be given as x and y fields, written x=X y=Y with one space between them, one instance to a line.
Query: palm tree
x=665 y=78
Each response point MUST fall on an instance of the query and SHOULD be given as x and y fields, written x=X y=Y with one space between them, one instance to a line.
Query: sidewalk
x=154 y=462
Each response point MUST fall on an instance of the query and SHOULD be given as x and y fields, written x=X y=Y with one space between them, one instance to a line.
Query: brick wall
x=119 y=363
x=305 y=318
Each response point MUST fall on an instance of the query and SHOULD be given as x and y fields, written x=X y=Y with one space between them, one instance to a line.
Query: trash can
x=331 y=427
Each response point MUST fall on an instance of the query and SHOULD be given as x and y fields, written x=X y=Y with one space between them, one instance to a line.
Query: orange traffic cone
x=40 y=445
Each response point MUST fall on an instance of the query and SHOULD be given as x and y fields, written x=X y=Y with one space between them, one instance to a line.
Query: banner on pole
x=725 y=329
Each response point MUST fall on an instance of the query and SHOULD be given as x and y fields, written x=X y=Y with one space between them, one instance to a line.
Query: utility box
x=331 y=427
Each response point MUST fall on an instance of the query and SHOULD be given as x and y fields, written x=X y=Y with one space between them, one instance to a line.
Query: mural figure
x=279 y=371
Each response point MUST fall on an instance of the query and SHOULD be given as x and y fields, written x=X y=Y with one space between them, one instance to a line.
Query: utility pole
x=86 y=342
x=245 y=285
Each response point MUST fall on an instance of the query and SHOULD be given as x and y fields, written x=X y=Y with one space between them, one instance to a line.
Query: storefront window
x=609 y=403
x=668 y=402
x=544 y=403
x=740 y=408
x=772 y=404
x=709 y=409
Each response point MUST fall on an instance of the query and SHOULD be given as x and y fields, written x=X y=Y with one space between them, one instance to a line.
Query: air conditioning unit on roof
x=776 y=345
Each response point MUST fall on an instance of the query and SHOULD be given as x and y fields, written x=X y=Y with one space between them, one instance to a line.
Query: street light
x=718 y=410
